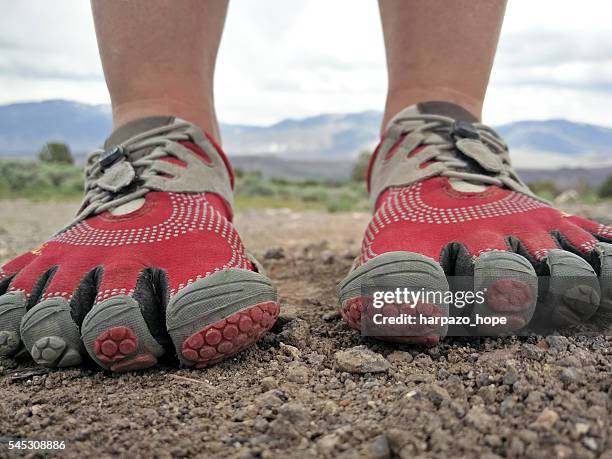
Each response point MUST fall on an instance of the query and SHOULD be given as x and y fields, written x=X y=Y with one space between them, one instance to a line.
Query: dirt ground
x=290 y=395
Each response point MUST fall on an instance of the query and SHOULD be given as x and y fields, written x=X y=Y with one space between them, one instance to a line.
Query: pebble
x=274 y=253
x=436 y=394
x=582 y=428
x=295 y=332
x=360 y=359
x=400 y=357
x=557 y=343
x=296 y=413
x=272 y=398
x=478 y=417
x=547 y=418
x=511 y=375
x=379 y=448
x=328 y=443
x=297 y=373
x=531 y=351
x=290 y=351
x=327 y=257
x=331 y=316
x=269 y=383
x=569 y=375
x=590 y=443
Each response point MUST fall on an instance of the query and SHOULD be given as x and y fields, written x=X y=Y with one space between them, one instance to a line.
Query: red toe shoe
x=451 y=216
x=151 y=263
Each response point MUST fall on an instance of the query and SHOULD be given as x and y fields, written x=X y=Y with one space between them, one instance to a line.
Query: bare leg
x=159 y=57
x=439 y=51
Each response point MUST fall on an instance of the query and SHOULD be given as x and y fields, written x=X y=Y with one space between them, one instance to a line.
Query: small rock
x=328 y=443
x=478 y=417
x=495 y=356
x=331 y=316
x=295 y=413
x=397 y=439
x=360 y=359
x=274 y=253
x=534 y=398
x=581 y=428
x=516 y=448
x=569 y=361
x=511 y=375
x=506 y=407
x=569 y=375
x=590 y=443
x=400 y=357
x=327 y=257
x=488 y=393
x=269 y=383
x=290 y=351
x=260 y=425
x=297 y=373
x=436 y=394
x=272 y=398
x=557 y=343
x=531 y=351
x=379 y=448
x=547 y=418
x=296 y=333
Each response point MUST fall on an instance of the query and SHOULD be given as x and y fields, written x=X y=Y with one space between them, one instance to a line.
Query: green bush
x=55 y=152
x=39 y=180
x=605 y=190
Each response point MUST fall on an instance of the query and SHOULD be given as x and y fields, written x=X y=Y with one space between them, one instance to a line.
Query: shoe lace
x=471 y=152
x=124 y=172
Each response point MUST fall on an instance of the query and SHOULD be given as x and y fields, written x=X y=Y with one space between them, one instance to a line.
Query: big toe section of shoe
x=220 y=315
x=386 y=273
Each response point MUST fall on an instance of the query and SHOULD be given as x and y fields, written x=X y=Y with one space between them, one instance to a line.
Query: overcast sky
x=297 y=58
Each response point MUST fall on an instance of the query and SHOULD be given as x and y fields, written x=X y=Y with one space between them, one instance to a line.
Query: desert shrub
x=56 y=152
x=545 y=188
x=605 y=190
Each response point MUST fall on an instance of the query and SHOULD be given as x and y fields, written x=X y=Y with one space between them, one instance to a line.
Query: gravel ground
x=313 y=387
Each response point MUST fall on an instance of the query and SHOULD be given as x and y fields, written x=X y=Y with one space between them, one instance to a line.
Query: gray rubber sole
x=212 y=299
x=50 y=335
x=573 y=293
x=12 y=309
x=604 y=252
x=393 y=270
x=116 y=336
x=509 y=285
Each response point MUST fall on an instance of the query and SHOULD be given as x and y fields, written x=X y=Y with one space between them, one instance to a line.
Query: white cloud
x=284 y=59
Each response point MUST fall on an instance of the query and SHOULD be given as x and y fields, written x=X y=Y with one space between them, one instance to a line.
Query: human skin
x=159 y=57
x=439 y=51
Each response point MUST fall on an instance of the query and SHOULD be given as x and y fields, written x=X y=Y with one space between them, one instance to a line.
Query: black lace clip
x=464 y=130
x=111 y=156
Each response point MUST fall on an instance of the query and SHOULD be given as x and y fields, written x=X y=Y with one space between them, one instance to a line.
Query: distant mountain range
x=310 y=146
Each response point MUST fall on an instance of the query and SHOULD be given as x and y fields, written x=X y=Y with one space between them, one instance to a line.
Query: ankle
x=203 y=118
x=398 y=99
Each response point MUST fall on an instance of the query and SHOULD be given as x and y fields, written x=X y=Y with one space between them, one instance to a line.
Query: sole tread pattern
x=229 y=336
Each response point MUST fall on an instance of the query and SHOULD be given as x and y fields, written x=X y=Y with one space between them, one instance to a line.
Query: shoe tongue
x=133 y=128
x=448 y=109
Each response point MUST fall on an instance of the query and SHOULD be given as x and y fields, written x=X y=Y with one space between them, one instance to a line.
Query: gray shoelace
x=138 y=155
x=433 y=132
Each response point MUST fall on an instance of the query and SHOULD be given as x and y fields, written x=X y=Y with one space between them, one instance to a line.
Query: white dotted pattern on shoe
x=190 y=212
x=406 y=204
x=604 y=230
